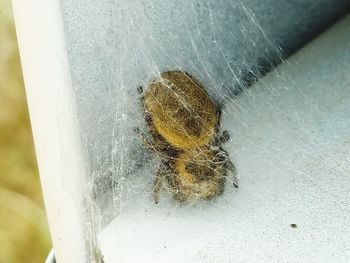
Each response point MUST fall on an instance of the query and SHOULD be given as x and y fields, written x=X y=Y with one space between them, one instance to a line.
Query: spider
x=184 y=124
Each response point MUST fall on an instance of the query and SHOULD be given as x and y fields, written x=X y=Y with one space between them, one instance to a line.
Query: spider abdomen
x=181 y=110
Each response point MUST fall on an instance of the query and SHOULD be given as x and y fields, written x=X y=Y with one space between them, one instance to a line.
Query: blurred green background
x=24 y=235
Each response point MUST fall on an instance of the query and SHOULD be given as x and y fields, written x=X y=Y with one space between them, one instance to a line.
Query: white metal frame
x=49 y=92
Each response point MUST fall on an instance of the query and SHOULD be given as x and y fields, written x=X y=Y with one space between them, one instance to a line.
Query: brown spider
x=184 y=124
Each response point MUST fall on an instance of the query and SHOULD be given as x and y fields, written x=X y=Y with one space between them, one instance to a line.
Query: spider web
x=223 y=45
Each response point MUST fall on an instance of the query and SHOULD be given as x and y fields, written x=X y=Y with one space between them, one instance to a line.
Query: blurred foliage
x=24 y=235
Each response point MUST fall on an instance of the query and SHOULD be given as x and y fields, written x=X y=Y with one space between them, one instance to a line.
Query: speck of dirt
x=293 y=225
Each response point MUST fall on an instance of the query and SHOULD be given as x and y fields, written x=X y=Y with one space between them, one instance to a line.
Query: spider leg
x=140 y=89
x=224 y=137
x=233 y=172
x=221 y=139
x=158 y=183
x=219 y=107
x=153 y=146
x=147 y=142
x=177 y=195
x=180 y=198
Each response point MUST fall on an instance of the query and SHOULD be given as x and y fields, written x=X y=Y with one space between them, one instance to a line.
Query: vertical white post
x=53 y=116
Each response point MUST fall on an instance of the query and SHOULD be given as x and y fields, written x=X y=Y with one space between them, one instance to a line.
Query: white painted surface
x=52 y=113
x=291 y=144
